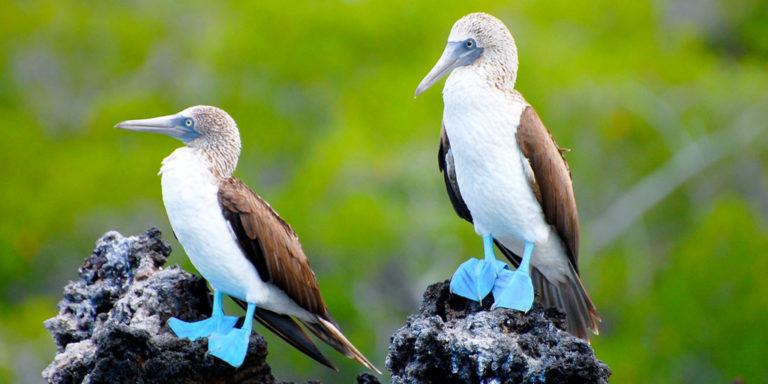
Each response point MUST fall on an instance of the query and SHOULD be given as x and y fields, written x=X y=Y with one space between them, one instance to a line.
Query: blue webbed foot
x=230 y=347
x=203 y=328
x=233 y=346
x=513 y=290
x=217 y=323
x=475 y=278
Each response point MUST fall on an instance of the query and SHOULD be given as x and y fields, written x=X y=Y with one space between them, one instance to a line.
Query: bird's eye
x=188 y=122
x=469 y=43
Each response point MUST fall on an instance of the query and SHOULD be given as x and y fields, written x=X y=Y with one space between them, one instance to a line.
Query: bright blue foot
x=230 y=347
x=475 y=278
x=514 y=289
x=203 y=328
x=233 y=346
x=216 y=323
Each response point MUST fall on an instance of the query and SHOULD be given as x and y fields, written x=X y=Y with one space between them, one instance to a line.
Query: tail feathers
x=329 y=332
x=569 y=297
x=288 y=330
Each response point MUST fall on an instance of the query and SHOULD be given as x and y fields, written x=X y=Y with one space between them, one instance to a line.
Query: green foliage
x=332 y=137
x=696 y=318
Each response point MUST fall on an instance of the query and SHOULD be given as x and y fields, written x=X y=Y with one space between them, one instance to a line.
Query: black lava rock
x=111 y=326
x=455 y=340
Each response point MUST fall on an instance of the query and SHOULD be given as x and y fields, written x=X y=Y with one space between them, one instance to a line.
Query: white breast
x=190 y=195
x=481 y=122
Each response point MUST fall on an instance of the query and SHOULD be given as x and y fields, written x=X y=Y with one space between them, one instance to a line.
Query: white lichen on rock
x=456 y=340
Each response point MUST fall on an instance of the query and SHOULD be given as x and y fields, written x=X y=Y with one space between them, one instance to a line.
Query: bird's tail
x=328 y=331
x=569 y=296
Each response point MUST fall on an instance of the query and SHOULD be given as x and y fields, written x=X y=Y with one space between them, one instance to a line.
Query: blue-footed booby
x=505 y=174
x=237 y=242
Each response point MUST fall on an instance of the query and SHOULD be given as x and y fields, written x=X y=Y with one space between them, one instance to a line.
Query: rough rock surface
x=454 y=340
x=111 y=326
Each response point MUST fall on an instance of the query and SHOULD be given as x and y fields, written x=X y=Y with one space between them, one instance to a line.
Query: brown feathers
x=552 y=180
x=270 y=244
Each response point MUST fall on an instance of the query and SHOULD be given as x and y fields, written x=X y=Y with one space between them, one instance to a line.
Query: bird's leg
x=526 y=262
x=514 y=289
x=216 y=323
x=490 y=257
x=475 y=278
x=233 y=346
x=488 y=248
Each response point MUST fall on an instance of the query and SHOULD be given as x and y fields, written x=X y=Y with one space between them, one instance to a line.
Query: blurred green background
x=664 y=105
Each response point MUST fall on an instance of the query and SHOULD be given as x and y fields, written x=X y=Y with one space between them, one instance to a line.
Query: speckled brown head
x=203 y=127
x=481 y=41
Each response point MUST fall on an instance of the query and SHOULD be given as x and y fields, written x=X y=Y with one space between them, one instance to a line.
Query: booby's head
x=202 y=127
x=477 y=41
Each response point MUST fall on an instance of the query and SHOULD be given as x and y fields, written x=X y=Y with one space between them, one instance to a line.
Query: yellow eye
x=188 y=122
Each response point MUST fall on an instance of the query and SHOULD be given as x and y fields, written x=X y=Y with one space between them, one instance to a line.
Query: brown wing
x=270 y=244
x=445 y=162
x=552 y=180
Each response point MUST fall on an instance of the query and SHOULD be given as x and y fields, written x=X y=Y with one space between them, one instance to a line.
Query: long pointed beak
x=453 y=56
x=171 y=125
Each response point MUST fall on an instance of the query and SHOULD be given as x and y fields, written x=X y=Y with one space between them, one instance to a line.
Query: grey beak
x=454 y=56
x=177 y=126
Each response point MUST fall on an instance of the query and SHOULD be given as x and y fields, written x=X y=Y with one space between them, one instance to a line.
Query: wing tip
x=351 y=351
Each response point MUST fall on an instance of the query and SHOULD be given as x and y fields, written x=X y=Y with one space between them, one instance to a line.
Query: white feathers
x=481 y=122
x=190 y=194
